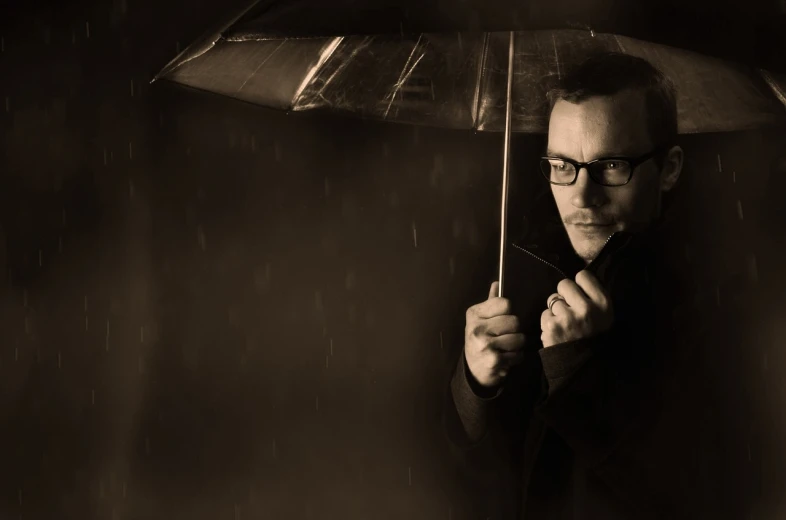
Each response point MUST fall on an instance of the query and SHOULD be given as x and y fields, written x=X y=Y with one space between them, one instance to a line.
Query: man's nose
x=586 y=192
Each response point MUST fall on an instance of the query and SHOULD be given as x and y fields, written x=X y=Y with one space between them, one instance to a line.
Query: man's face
x=606 y=127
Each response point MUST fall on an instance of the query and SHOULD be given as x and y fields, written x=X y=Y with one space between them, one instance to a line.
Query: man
x=597 y=388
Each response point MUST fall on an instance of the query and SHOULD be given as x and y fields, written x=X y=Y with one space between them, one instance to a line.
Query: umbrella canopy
x=451 y=79
x=457 y=80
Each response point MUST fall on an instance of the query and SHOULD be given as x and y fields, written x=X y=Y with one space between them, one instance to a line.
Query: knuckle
x=515 y=323
x=563 y=284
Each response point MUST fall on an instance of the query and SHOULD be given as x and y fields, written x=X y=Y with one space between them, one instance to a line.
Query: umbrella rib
x=479 y=82
x=777 y=89
x=405 y=74
x=325 y=55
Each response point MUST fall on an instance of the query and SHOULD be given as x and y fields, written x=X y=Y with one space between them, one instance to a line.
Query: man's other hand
x=582 y=310
x=492 y=341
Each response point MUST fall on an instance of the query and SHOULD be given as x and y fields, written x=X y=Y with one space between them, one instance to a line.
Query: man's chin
x=589 y=245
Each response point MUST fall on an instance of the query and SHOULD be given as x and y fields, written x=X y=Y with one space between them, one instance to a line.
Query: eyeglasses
x=608 y=171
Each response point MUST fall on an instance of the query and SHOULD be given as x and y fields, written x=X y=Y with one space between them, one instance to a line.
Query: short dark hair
x=609 y=73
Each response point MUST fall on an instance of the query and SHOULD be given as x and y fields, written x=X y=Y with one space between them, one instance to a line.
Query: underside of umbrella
x=457 y=80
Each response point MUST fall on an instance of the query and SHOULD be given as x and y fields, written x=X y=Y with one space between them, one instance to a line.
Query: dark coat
x=647 y=420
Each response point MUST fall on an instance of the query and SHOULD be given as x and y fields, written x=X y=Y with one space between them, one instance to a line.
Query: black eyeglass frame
x=634 y=163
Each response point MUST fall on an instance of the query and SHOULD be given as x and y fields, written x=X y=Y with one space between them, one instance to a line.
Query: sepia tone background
x=211 y=310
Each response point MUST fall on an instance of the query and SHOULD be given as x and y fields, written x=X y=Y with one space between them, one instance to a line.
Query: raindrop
x=93 y=397
x=237 y=512
x=132 y=88
x=385 y=149
x=734 y=177
x=87 y=29
x=720 y=165
x=130 y=150
x=317 y=403
x=277 y=148
x=450 y=513
x=130 y=189
x=452 y=266
x=86 y=327
x=414 y=235
x=739 y=209
x=274 y=448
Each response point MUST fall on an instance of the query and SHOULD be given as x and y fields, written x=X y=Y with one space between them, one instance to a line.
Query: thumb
x=494 y=291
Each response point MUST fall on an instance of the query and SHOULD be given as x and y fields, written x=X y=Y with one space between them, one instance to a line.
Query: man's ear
x=672 y=168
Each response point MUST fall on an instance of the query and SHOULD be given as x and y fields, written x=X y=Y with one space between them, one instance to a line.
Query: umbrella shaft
x=506 y=167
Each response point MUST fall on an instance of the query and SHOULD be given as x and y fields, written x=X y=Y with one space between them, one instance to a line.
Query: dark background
x=211 y=310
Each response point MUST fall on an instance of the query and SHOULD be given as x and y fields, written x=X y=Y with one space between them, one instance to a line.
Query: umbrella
x=486 y=81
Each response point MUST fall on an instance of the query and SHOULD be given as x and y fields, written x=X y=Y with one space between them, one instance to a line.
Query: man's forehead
x=599 y=126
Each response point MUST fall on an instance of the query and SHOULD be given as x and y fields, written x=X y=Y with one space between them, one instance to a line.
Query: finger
x=573 y=294
x=592 y=287
x=546 y=317
x=492 y=307
x=494 y=290
x=500 y=325
x=508 y=343
x=556 y=304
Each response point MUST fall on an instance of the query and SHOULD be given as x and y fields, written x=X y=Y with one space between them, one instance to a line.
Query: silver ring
x=554 y=299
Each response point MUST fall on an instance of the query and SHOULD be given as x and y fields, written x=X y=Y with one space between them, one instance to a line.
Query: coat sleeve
x=486 y=439
x=661 y=440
